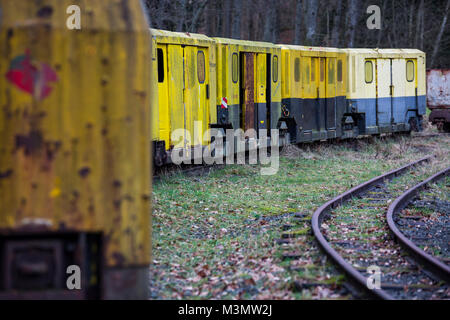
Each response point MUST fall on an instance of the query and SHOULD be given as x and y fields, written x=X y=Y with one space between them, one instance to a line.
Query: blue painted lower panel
x=403 y=108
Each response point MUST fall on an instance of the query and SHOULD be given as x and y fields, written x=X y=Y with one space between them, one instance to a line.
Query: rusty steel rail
x=432 y=263
x=321 y=212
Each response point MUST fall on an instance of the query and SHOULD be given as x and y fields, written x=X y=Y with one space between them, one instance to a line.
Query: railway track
x=436 y=265
x=201 y=169
x=359 y=241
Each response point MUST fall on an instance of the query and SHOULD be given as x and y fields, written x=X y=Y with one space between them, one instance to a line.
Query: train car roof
x=164 y=36
x=246 y=43
x=307 y=48
x=385 y=53
x=313 y=51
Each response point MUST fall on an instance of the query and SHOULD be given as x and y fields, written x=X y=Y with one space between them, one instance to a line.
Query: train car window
x=368 y=68
x=201 y=66
x=322 y=69
x=410 y=70
x=160 y=65
x=331 y=71
x=275 y=68
x=297 y=70
x=339 y=71
x=313 y=69
x=234 y=72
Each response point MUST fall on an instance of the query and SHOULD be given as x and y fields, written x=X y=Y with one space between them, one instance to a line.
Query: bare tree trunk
x=394 y=24
x=298 y=22
x=226 y=17
x=336 y=24
x=418 y=23
x=197 y=13
x=410 y=23
x=270 y=24
x=439 y=36
x=352 y=19
x=311 y=22
x=236 y=22
x=380 y=32
x=182 y=17
x=245 y=35
x=211 y=18
x=422 y=26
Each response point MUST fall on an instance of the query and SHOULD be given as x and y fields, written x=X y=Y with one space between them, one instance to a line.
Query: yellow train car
x=387 y=89
x=248 y=84
x=75 y=183
x=184 y=83
x=314 y=83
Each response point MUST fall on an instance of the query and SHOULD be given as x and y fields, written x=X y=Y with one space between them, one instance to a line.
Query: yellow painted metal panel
x=154 y=117
x=261 y=78
x=410 y=86
x=341 y=84
x=212 y=82
x=331 y=78
x=399 y=77
x=353 y=72
x=421 y=75
x=309 y=87
x=176 y=88
x=191 y=91
x=276 y=85
x=74 y=144
x=383 y=77
x=285 y=80
x=163 y=95
x=296 y=80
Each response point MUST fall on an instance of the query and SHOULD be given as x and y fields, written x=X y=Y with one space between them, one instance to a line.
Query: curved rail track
x=390 y=258
x=434 y=264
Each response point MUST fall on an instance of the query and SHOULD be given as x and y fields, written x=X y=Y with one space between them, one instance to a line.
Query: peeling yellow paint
x=74 y=142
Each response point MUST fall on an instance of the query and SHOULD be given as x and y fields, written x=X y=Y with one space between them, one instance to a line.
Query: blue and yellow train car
x=313 y=92
x=248 y=84
x=308 y=93
x=386 y=91
x=184 y=83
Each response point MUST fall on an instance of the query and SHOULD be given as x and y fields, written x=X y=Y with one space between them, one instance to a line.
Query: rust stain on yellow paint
x=74 y=133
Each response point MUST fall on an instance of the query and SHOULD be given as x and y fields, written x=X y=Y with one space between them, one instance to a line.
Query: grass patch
x=213 y=235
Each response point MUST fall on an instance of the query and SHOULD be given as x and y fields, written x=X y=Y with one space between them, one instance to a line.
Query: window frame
x=201 y=53
x=413 y=70
x=297 y=69
x=371 y=71
x=339 y=71
x=275 y=68
x=234 y=67
x=160 y=64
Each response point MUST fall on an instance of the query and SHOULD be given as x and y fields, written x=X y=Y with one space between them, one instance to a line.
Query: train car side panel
x=74 y=149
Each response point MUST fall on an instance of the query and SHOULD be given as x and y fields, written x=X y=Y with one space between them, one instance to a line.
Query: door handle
x=207 y=91
x=391 y=90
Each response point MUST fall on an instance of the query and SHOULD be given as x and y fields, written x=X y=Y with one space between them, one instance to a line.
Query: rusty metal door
x=248 y=85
